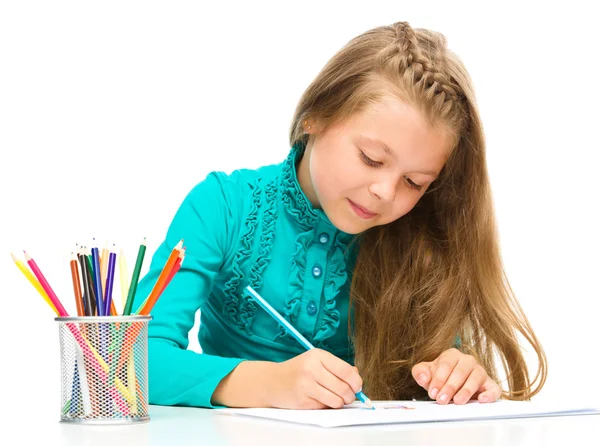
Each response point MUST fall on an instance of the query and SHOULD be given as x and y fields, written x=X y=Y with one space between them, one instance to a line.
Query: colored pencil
x=112 y=258
x=29 y=275
x=162 y=278
x=45 y=285
x=90 y=262
x=97 y=281
x=135 y=278
x=89 y=282
x=175 y=268
x=104 y=267
x=171 y=274
x=295 y=333
x=84 y=387
x=131 y=383
x=123 y=276
x=87 y=305
x=76 y=285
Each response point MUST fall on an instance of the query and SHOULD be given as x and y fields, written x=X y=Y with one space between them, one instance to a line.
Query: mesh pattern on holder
x=104 y=369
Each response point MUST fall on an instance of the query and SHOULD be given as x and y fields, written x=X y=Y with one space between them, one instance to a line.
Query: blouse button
x=311 y=308
x=316 y=271
x=324 y=238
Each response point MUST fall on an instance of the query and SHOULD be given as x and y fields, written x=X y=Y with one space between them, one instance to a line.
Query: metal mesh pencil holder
x=104 y=369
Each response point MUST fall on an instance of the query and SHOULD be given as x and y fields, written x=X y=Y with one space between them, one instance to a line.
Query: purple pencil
x=110 y=279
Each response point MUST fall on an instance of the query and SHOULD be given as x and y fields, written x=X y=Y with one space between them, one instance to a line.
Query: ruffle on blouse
x=239 y=307
x=307 y=217
x=334 y=281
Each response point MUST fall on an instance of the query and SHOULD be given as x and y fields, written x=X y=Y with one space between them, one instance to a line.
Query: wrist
x=248 y=385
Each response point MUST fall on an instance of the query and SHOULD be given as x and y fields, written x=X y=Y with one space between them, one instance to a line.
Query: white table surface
x=178 y=426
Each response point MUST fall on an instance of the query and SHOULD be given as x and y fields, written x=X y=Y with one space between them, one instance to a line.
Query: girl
x=375 y=238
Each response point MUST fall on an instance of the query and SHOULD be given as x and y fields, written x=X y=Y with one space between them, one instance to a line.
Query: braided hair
x=435 y=274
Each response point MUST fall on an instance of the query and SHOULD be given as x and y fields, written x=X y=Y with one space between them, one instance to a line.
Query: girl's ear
x=310 y=126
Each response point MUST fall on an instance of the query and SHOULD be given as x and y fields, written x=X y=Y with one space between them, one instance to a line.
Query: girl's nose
x=385 y=190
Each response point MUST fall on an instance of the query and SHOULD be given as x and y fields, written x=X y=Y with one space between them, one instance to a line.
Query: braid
x=419 y=64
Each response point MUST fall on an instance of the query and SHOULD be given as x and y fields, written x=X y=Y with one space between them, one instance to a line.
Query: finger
x=442 y=368
x=473 y=383
x=310 y=404
x=422 y=373
x=342 y=370
x=491 y=391
x=331 y=382
x=458 y=378
x=326 y=397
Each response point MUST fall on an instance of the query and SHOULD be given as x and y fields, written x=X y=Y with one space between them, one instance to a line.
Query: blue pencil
x=97 y=281
x=110 y=279
x=295 y=333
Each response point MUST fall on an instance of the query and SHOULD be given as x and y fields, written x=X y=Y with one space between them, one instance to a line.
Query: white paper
x=394 y=412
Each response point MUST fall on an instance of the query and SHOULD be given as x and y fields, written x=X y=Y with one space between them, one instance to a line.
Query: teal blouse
x=251 y=227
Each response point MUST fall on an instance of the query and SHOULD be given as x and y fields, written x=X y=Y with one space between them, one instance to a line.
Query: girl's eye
x=368 y=161
x=412 y=184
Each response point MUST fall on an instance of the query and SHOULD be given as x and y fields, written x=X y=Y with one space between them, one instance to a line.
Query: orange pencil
x=174 y=269
x=162 y=278
x=76 y=285
x=171 y=274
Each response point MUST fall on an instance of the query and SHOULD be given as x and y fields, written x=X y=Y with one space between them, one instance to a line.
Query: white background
x=111 y=111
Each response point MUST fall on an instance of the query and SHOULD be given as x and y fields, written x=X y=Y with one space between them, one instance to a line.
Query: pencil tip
x=14 y=257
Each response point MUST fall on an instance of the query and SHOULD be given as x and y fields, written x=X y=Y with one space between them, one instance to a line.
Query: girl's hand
x=313 y=380
x=456 y=376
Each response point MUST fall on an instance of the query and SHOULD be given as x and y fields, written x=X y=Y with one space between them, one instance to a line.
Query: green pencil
x=135 y=278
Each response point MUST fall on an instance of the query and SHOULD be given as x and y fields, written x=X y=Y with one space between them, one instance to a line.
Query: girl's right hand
x=316 y=379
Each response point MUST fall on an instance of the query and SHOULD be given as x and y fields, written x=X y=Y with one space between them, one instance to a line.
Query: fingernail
x=443 y=398
x=422 y=378
x=483 y=399
x=458 y=399
x=434 y=392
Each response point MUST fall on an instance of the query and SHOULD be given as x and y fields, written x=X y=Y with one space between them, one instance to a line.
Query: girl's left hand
x=456 y=376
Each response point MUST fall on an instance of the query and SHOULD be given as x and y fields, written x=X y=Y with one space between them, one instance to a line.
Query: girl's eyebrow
x=384 y=146
x=379 y=144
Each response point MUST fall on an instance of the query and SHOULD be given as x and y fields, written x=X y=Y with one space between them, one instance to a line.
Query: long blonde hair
x=435 y=275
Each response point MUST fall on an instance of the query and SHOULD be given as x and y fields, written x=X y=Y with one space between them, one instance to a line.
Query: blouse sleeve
x=178 y=376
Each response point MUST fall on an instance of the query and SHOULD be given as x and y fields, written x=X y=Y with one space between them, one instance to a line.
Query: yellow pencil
x=131 y=382
x=104 y=267
x=33 y=281
x=124 y=278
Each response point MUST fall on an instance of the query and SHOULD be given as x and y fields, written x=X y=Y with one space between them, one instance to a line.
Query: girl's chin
x=349 y=223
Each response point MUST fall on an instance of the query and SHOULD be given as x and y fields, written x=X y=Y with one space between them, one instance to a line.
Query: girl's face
x=373 y=168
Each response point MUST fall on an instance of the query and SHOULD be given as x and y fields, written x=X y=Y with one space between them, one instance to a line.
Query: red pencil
x=44 y=283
